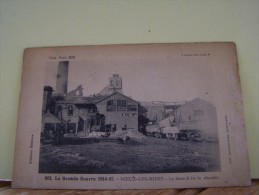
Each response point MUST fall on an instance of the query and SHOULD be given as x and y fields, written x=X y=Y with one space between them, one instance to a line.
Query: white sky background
x=165 y=79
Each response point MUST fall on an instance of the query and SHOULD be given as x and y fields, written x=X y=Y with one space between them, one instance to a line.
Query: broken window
x=111 y=106
x=49 y=130
x=121 y=105
x=132 y=108
x=49 y=126
x=70 y=110
x=71 y=127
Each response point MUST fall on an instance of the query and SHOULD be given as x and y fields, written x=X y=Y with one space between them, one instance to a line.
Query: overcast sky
x=142 y=79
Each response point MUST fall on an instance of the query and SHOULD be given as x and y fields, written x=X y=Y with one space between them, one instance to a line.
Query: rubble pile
x=128 y=134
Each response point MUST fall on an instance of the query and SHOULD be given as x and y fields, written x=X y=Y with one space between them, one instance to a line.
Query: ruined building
x=110 y=110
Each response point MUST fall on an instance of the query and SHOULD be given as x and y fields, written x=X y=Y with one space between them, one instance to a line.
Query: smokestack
x=62 y=77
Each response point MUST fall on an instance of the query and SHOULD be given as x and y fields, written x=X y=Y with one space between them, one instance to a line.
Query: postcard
x=140 y=116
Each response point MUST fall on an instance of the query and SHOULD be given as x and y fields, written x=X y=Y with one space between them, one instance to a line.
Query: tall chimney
x=62 y=77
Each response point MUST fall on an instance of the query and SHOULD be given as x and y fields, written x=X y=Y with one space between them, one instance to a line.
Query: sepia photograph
x=134 y=116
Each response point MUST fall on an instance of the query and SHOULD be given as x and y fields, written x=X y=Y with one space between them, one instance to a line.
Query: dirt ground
x=151 y=155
